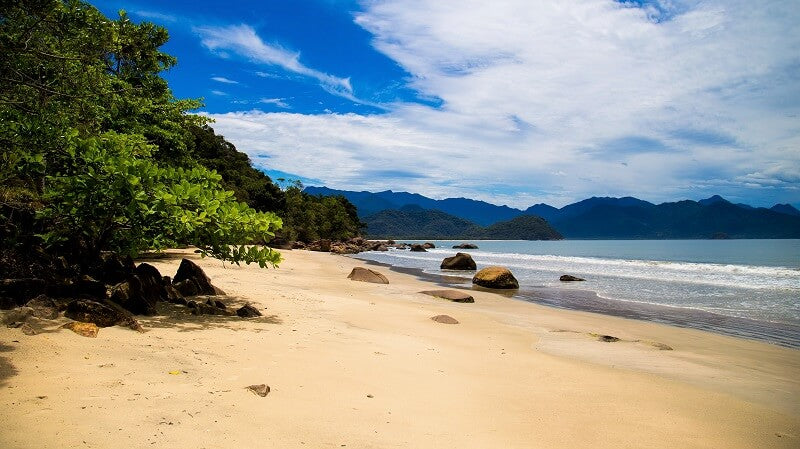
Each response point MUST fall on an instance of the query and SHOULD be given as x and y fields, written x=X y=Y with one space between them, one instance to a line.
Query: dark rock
x=495 y=277
x=444 y=319
x=323 y=245
x=607 y=338
x=135 y=297
x=202 y=308
x=280 y=243
x=344 y=248
x=248 y=311
x=174 y=296
x=21 y=290
x=367 y=275
x=217 y=304
x=381 y=248
x=298 y=245
x=190 y=270
x=187 y=288
x=166 y=280
x=401 y=246
x=390 y=242
x=570 y=278
x=101 y=314
x=43 y=307
x=261 y=390
x=83 y=287
x=88 y=286
x=114 y=269
x=192 y=304
x=466 y=246
x=18 y=315
x=428 y=245
x=461 y=261
x=417 y=248
x=451 y=295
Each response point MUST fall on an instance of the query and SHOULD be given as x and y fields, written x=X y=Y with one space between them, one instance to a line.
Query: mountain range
x=600 y=217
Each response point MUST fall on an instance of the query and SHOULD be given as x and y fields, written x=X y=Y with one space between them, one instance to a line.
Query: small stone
x=444 y=319
x=370 y=396
x=451 y=295
x=248 y=311
x=84 y=329
x=261 y=389
x=570 y=278
x=607 y=338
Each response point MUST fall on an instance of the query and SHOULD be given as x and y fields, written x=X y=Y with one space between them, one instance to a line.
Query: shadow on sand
x=174 y=316
x=7 y=370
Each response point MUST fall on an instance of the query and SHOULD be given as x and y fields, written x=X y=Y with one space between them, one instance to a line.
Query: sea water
x=747 y=288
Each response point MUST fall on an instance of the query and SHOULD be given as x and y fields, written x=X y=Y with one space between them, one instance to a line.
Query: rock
x=248 y=311
x=190 y=270
x=187 y=288
x=174 y=296
x=344 y=248
x=101 y=314
x=461 y=261
x=495 y=277
x=84 y=329
x=166 y=280
x=21 y=290
x=280 y=243
x=208 y=308
x=466 y=246
x=367 y=275
x=192 y=304
x=261 y=390
x=607 y=338
x=390 y=242
x=298 y=245
x=27 y=329
x=451 y=295
x=417 y=248
x=570 y=278
x=135 y=296
x=323 y=245
x=114 y=269
x=83 y=287
x=428 y=245
x=444 y=319
x=401 y=246
x=18 y=315
x=217 y=304
x=43 y=307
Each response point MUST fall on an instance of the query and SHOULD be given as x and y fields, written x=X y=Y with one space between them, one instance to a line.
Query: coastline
x=362 y=365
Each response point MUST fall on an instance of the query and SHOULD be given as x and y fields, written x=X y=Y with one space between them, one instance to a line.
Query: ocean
x=743 y=288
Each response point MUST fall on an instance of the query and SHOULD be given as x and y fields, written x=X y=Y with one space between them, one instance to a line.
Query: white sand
x=510 y=375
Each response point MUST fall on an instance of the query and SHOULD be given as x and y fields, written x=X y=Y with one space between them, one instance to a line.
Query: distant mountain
x=368 y=203
x=787 y=209
x=606 y=217
x=413 y=222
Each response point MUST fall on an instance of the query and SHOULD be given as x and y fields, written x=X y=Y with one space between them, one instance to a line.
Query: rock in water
x=461 y=261
x=444 y=319
x=190 y=270
x=428 y=245
x=570 y=278
x=248 y=311
x=261 y=390
x=495 y=277
x=452 y=295
x=466 y=246
x=417 y=248
x=84 y=329
x=367 y=275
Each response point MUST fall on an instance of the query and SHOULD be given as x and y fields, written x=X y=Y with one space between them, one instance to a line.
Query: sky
x=512 y=102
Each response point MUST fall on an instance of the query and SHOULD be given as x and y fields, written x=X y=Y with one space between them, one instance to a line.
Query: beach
x=362 y=365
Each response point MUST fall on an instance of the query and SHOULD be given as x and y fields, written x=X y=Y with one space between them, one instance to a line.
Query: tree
x=97 y=151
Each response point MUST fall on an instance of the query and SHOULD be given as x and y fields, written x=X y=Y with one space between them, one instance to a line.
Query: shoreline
x=363 y=365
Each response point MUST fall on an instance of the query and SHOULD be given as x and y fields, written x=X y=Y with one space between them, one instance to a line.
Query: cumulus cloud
x=555 y=101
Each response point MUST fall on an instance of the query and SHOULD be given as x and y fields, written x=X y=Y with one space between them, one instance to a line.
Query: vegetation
x=97 y=154
x=413 y=222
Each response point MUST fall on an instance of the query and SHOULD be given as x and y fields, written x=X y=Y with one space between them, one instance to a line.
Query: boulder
x=417 y=248
x=569 y=278
x=101 y=314
x=495 y=277
x=367 y=275
x=217 y=304
x=174 y=296
x=401 y=246
x=187 y=288
x=298 y=245
x=114 y=269
x=190 y=270
x=322 y=245
x=21 y=290
x=450 y=295
x=344 y=248
x=428 y=245
x=380 y=248
x=43 y=307
x=18 y=315
x=248 y=311
x=444 y=319
x=465 y=246
x=136 y=296
x=461 y=261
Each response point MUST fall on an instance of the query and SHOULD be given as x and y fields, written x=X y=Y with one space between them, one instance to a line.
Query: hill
x=414 y=222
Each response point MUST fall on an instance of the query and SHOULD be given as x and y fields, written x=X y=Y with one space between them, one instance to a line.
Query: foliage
x=309 y=217
x=96 y=151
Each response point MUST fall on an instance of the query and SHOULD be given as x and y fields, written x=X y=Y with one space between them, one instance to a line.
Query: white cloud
x=219 y=92
x=555 y=101
x=243 y=40
x=222 y=79
x=275 y=101
x=156 y=15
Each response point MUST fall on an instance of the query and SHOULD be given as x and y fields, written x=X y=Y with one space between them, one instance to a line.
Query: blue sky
x=512 y=101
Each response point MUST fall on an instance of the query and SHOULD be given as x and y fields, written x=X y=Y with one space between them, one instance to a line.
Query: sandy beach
x=361 y=365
